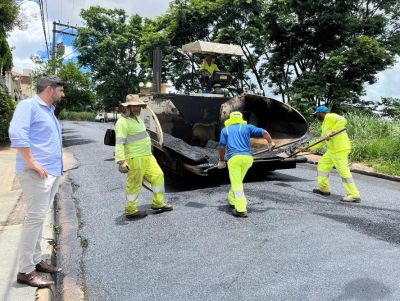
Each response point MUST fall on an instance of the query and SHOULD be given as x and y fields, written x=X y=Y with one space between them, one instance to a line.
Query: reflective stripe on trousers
x=238 y=194
x=347 y=180
x=158 y=188
x=323 y=174
x=238 y=166
x=131 y=197
x=140 y=167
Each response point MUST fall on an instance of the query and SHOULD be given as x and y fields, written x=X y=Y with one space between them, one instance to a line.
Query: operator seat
x=221 y=78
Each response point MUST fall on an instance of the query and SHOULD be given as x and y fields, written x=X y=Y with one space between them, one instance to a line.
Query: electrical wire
x=44 y=27
x=47 y=18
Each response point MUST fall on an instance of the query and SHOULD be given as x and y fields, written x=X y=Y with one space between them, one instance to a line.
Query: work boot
x=239 y=214
x=136 y=215
x=325 y=193
x=47 y=268
x=33 y=279
x=350 y=199
x=165 y=207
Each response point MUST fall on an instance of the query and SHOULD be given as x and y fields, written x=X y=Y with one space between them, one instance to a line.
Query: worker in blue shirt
x=235 y=145
x=36 y=134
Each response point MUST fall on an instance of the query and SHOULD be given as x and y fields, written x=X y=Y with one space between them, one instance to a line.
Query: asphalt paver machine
x=185 y=128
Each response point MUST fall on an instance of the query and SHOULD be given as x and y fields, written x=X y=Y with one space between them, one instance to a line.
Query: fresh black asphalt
x=295 y=245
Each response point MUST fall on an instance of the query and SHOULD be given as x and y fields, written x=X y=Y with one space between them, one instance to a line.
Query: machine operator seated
x=207 y=70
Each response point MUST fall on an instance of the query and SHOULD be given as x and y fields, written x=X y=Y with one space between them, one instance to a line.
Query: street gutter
x=357 y=168
x=71 y=285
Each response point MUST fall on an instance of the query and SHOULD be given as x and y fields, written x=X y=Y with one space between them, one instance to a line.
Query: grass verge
x=375 y=142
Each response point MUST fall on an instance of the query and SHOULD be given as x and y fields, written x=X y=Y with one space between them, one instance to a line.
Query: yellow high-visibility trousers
x=238 y=166
x=340 y=161
x=139 y=168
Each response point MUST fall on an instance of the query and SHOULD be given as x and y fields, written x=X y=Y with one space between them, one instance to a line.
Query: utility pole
x=59 y=28
x=53 y=46
x=157 y=61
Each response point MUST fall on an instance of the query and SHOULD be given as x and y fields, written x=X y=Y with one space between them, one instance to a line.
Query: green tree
x=8 y=19
x=240 y=22
x=9 y=11
x=5 y=54
x=44 y=67
x=327 y=50
x=224 y=21
x=79 y=95
x=113 y=56
x=391 y=107
x=7 y=106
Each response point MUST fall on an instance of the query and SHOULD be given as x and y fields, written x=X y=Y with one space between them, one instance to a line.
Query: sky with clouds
x=30 y=41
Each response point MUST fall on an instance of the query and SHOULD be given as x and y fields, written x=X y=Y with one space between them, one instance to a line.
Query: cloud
x=29 y=41
x=68 y=11
x=387 y=84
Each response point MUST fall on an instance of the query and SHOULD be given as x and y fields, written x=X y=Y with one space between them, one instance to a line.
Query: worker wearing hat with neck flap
x=207 y=69
x=337 y=154
x=235 y=145
x=133 y=156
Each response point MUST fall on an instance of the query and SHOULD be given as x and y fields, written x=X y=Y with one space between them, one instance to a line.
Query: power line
x=44 y=27
x=47 y=18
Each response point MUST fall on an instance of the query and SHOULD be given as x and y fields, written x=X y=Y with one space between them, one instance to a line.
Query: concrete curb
x=12 y=216
x=365 y=172
x=49 y=253
x=72 y=285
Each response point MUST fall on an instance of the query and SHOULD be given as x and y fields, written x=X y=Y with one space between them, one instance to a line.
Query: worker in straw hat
x=133 y=156
x=235 y=139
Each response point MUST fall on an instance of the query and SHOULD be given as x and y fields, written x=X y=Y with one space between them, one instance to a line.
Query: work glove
x=329 y=136
x=221 y=164
x=271 y=146
x=123 y=167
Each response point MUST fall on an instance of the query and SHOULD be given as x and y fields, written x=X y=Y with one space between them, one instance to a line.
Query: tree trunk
x=252 y=65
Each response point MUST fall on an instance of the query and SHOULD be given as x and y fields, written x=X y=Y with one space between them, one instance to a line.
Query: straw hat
x=133 y=100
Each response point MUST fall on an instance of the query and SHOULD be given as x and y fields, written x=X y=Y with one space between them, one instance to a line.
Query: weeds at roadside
x=375 y=141
x=83 y=241
x=57 y=229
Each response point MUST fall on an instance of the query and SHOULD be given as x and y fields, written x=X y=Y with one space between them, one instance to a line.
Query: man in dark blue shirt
x=235 y=144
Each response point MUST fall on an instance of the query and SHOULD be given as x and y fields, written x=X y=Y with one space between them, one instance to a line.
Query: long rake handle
x=276 y=147
x=319 y=141
x=259 y=152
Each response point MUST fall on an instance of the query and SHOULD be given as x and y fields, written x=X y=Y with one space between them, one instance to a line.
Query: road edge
x=71 y=285
x=364 y=172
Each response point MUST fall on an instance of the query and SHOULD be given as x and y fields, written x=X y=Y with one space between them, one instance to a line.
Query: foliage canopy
x=111 y=41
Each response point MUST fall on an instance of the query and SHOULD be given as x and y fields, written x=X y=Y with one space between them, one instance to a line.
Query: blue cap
x=321 y=109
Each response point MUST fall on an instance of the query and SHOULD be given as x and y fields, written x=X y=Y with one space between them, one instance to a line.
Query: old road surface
x=295 y=245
